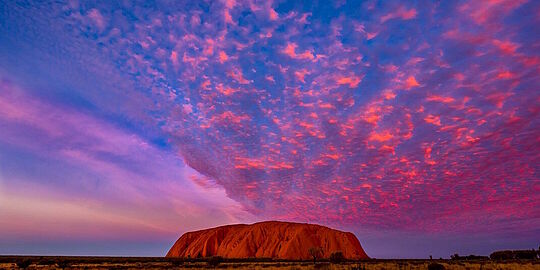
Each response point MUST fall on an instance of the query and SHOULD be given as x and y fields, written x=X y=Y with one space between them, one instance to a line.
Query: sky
x=413 y=124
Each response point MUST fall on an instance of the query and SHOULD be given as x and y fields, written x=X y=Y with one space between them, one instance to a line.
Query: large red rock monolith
x=271 y=239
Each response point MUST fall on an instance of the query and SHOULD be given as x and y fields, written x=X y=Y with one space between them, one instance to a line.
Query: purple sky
x=415 y=125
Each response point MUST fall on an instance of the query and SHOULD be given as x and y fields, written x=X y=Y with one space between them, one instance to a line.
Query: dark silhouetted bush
x=315 y=252
x=502 y=255
x=471 y=258
x=514 y=254
x=321 y=266
x=215 y=261
x=525 y=254
x=177 y=262
x=24 y=264
x=63 y=264
x=337 y=257
x=45 y=261
x=435 y=266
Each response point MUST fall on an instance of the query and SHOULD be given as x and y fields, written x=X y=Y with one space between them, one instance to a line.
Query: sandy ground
x=379 y=265
x=160 y=263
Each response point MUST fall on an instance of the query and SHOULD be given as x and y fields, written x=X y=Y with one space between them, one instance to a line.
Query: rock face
x=271 y=239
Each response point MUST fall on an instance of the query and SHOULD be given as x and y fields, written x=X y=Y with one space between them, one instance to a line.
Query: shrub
x=321 y=266
x=24 y=263
x=435 y=266
x=502 y=255
x=63 y=264
x=514 y=254
x=46 y=262
x=473 y=257
x=359 y=267
x=215 y=261
x=337 y=257
x=525 y=254
x=315 y=252
x=177 y=262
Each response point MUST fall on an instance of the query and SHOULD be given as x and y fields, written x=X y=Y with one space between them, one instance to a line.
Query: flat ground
x=57 y=262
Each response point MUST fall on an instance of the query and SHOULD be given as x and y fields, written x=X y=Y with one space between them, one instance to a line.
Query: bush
x=435 y=266
x=525 y=254
x=320 y=266
x=63 y=264
x=315 y=252
x=177 y=262
x=46 y=262
x=215 y=261
x=473 y=257
x=24 y=263
x=502 y=255
x=514 y=254
x=337 y=257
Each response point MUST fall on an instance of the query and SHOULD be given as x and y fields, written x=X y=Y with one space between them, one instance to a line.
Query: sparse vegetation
x=436 y=266
x=215 y=261
x=23 y=264
x=44 y=263
x=337 y=257
x=315 y=252
x=502 y=255
x=526 y=254
x=467 y=258
x=63 y=264
x=514 y=255
x=177 y=262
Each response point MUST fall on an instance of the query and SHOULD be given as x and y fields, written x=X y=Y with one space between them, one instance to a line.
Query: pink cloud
x=223 y=57
x=227 y=91
x=352 y=81
x=400 y=13
x=300 y=74
x=440 y=99
x=433 y=119
x=290 y=50
x=506 y=47
x=238 y=76
x=227 y=17
x=381 y=136
x=273 y=14
x=97 y=18
x=411 y=82
x=174 y=59
x=229 y=3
